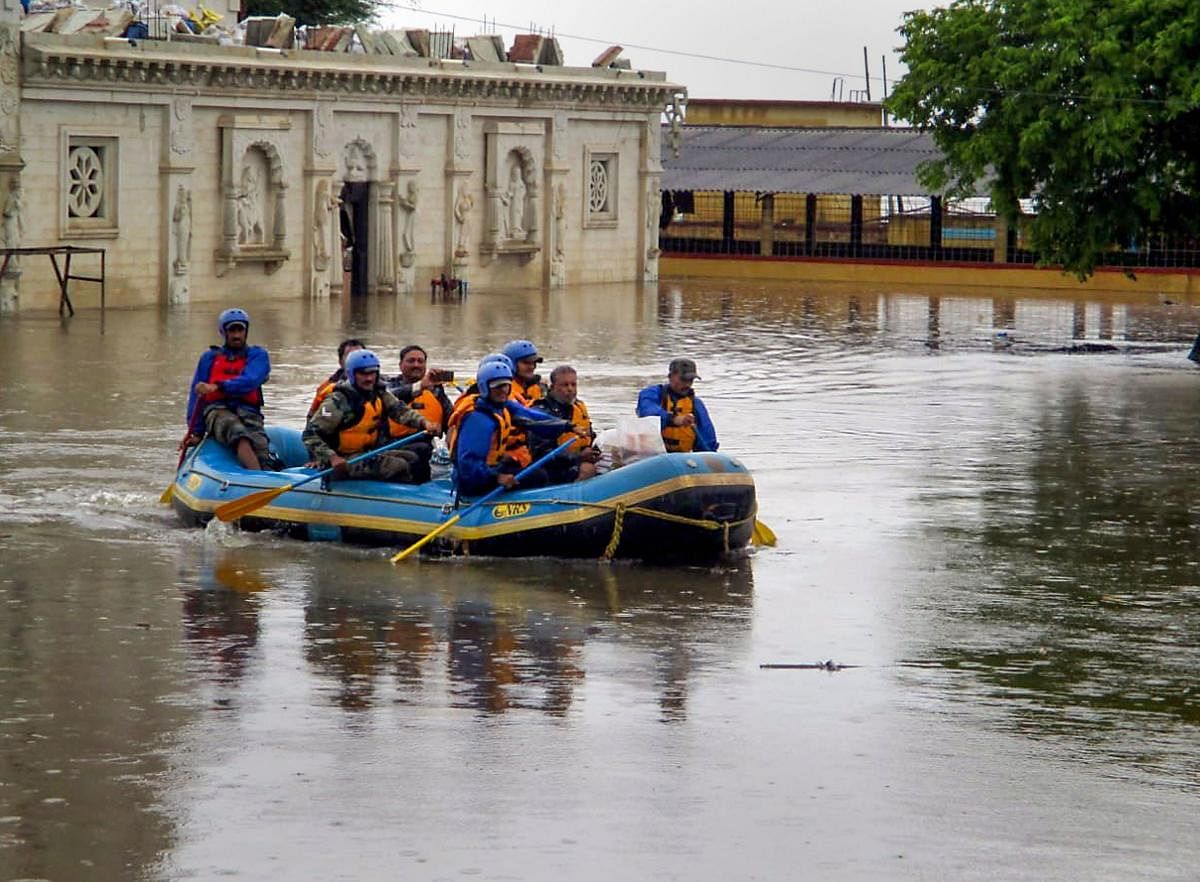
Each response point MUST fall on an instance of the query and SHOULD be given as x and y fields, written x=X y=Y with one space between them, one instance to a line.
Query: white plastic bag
x=634 y=438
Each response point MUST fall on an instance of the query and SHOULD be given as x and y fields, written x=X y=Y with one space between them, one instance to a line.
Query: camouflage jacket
x=343 y=408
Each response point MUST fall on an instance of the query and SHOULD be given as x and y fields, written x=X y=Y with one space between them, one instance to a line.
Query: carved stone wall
x=231 y=165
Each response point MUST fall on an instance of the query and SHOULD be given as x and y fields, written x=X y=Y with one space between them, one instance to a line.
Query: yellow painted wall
x=774 y=114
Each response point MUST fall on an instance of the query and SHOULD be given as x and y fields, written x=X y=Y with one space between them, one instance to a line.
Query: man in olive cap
x=685 y=422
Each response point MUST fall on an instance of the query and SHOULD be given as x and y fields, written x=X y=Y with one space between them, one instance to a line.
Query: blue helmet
x=489 y=372
x=516 y=350
x=496 y=356
x=232 y=316
x=361 y=360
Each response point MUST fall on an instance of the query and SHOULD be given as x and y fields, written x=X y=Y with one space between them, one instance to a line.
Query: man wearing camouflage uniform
x=353 y=420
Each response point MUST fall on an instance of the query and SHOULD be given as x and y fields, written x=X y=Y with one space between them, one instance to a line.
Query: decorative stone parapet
x=88 y=61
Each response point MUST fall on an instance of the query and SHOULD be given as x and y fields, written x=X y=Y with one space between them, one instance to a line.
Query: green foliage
x=1089 y=107
x=316 y=12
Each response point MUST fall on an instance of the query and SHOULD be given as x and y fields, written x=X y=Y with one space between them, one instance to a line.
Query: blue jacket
x=258 y=369
x=471 y=469
x=650 y=404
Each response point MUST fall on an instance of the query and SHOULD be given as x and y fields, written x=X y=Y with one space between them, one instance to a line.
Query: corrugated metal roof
x=878 y=162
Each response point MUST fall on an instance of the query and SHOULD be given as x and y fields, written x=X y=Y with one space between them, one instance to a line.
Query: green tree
x=1089 y=107
x=315 y=12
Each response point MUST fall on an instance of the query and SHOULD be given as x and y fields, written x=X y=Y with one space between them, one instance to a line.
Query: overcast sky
x=811 y=42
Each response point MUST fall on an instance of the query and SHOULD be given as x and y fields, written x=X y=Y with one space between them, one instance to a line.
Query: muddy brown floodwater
x=986 y=508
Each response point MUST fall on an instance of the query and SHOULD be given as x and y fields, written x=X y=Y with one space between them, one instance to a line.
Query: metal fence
x=897 y=228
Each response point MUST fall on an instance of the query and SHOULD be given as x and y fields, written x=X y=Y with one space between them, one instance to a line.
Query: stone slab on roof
x=874 y=162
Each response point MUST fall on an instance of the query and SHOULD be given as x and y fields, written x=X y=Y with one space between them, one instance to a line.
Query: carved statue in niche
x=181 y=221
x=653 y=213
x=325 y=204
x=462 y=217
x=13 y=225
x=560 y=214
x=356 y=162
x=249 y=208
x=513 y=202
x=408 y=205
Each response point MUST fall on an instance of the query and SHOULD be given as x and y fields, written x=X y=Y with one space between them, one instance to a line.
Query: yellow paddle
x=762 y=535
x=231 y=511
x=487 y=497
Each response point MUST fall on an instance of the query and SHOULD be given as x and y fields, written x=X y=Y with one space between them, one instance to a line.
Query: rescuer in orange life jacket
x=354 y=419
x=579 y=460
x=686 y=425
x=420 y=387
x=226 y=394
x=482 y=427
x=344 y=349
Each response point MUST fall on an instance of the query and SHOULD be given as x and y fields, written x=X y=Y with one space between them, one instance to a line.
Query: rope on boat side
x=620 y=509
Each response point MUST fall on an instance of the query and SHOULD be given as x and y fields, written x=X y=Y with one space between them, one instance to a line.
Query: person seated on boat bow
x=226 y=397
x=481 y=430
x=420 y=387
x=686 y=425
x=353 y=420
x=527 y=383
x=579 y=461
x=344 y=349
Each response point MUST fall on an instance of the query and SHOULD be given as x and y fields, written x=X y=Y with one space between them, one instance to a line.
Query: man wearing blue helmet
x=354 y=418
x=527 y=384
x=484 y=434
x=226 y=394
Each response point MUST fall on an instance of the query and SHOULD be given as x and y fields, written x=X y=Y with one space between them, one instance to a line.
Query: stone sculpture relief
x=560 y=215
x=653 y=213
x=462 y=132
x=355 y=160
x=407 y=202
x=249 y=208
x=462 y=219
x=181 y=228
x=513 y=201
x=12 y=223
x=324 y=205
x=181 y=126
x=322 y=129
x=408 y=143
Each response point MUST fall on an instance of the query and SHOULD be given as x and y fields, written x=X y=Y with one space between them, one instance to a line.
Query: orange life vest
x=500 y=436
x=426 y=404
x=225 y=367
x=322 y=393
x=526 y=395
x=580 y=420
x=363 y=434
x=678 y=439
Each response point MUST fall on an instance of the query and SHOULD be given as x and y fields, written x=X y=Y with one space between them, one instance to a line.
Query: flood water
x=985 y=507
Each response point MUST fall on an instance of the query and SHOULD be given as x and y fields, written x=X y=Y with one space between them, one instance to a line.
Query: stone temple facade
x=221 y=173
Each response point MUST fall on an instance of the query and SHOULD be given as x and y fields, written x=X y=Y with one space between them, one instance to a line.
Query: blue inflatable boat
x=694 y=507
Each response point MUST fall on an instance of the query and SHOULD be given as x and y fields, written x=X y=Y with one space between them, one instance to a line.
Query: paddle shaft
x=231 y=511
x=482 y=500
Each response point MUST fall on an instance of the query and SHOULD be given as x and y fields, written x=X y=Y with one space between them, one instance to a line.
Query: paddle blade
x=762 y=535
x=167 y=495
x=231 y=511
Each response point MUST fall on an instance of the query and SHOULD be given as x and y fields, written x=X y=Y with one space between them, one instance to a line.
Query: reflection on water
x=1080 y=599
x=499 y=641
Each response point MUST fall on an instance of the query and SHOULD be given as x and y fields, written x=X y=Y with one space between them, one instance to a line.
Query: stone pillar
x=177 y=202
x=557 y=168
x=462 y=212
x=323 y=241
x=385 y=237
x=13 y=201
x=650 y=201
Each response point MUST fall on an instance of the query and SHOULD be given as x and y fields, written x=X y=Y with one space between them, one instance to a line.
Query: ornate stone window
x=89 y=185
x=600 y=191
